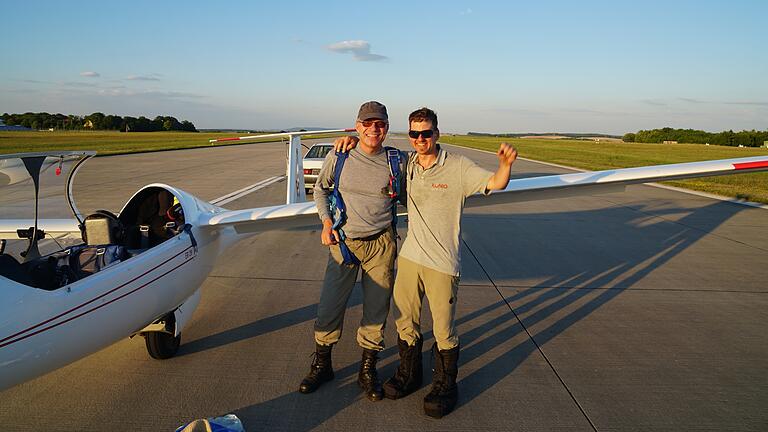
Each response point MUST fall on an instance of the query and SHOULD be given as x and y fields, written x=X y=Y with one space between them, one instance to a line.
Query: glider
x=139 y=272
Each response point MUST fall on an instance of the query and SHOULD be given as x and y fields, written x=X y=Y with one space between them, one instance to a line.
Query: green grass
x=582 y=154
x=108 y=142
x=593 y=156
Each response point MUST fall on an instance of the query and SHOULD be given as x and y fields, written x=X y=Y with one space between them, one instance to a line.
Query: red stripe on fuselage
x=93 y=309
x=92 y=300
x=750 y=165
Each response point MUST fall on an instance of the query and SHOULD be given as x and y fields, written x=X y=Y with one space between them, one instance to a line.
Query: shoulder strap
x=341 y=157
x=337 y=202
x=394 y=160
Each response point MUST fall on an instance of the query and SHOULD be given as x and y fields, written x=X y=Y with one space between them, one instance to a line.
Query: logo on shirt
x=439 y=186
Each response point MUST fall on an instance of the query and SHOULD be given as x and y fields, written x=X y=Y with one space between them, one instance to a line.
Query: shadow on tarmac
x=589 y=270
x=254 y=329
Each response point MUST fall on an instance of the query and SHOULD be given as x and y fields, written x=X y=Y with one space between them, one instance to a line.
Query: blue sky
x=565 y=66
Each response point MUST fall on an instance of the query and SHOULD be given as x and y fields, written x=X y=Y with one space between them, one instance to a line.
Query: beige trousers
x=412 y=282
x=377 y=261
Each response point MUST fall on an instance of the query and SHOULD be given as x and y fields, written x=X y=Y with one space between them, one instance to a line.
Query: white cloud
x=655 y=102
x=360 y=50
x=78 y=84
x=149 y=94
x=467 y=11
x=735 y=102
x=150 y=77
x=90 y=74
x=693 y=101
x=746 y=103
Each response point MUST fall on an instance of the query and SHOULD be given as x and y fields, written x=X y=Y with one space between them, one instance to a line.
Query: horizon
x=405 y=131
x=592 y=67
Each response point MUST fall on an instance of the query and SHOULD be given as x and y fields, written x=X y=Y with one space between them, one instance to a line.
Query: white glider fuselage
x=43 y=330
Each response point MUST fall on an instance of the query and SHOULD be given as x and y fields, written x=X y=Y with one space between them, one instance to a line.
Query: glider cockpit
x=46 y=241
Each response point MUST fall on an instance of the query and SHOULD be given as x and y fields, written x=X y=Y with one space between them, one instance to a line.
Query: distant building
x=88 y=124
x=4 y=127
x=670 y=142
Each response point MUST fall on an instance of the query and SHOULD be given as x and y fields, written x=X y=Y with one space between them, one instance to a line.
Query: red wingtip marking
x=228 y=139
x=750 y=165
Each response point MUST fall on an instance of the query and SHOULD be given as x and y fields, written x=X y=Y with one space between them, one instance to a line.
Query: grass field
x=110 y=142
x=594 y=156
x=582 y=154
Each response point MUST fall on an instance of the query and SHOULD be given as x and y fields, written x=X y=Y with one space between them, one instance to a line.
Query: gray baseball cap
x=372 y=110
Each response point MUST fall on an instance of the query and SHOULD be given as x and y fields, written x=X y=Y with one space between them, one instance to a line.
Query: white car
x=313 y=161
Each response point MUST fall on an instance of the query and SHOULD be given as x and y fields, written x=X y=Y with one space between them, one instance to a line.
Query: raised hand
x=506 y=154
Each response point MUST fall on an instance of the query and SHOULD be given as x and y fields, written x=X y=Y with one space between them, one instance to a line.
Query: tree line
x=532 y=134
x=97 y=121
x=727 y=138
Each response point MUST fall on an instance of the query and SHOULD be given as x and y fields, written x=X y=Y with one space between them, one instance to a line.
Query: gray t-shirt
x=364 y=188
x=436 y=198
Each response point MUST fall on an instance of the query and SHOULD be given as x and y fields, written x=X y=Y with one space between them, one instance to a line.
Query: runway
x=644 y=310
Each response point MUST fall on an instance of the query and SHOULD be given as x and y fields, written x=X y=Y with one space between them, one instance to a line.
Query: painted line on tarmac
x=246 y=190
x=656 y=185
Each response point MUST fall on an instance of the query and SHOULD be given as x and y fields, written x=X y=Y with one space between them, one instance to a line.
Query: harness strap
x=393 y=159
x=144 y=231
x=339 y=210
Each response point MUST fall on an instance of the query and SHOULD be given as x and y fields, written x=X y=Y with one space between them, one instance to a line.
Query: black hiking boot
x=408 y=377
x=444 y=395
x=321 y=370
x=368 y=378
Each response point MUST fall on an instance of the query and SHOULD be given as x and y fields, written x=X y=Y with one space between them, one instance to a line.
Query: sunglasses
x=378 y=123
x=425 y=133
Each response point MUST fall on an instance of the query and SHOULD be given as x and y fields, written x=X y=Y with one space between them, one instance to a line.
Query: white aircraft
x=139 y=273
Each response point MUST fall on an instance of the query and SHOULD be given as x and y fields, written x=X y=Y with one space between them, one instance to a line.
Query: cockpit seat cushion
x=103 y=227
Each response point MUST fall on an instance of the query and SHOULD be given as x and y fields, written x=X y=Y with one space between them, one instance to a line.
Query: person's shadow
x=565 y=267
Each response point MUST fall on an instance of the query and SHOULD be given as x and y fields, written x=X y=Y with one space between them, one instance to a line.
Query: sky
x=483 y=66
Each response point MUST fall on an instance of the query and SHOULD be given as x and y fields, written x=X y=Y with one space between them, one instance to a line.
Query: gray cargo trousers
x=377 y=260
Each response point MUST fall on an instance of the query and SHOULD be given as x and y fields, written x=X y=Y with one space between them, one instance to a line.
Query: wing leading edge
x=608 y=181
x=518 y=190
x=265 y=218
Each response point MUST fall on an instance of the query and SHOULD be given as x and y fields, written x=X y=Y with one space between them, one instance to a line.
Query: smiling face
x=424 y=146
x=372 y=133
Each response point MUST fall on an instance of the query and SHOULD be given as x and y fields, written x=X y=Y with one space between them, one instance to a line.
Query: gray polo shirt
x=364 y=188
x=436 y=198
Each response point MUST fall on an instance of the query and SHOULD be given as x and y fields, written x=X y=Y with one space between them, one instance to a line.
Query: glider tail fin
x=294 y=166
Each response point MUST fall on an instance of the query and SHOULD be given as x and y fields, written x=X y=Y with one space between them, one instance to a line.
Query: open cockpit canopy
x=36 y=197
x=39 y=185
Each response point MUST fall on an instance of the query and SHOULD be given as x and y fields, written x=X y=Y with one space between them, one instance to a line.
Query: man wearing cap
x=365 y=184
x=429 y=261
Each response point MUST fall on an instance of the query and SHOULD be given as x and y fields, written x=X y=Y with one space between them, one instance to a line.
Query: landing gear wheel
x=163 y=345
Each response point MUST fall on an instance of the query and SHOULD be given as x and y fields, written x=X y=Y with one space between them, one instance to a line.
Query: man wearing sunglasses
x=429 y=261
x=366 y=185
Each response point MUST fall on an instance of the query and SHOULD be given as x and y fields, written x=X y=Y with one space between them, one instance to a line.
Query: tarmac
x=642 y=310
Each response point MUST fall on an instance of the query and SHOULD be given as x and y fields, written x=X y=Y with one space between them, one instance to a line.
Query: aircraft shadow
x=254 y=329
x=570 y=284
